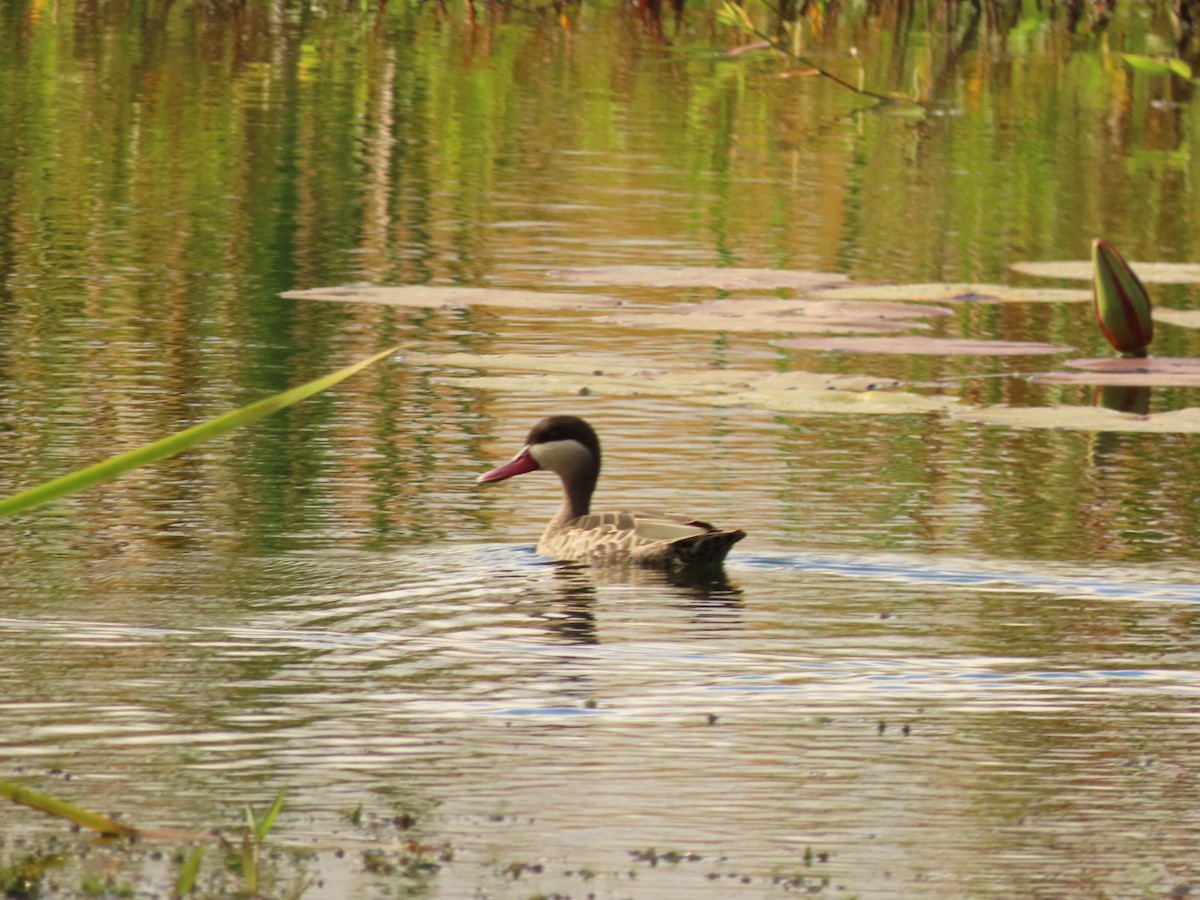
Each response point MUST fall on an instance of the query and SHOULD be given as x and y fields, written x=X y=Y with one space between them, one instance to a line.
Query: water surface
x=950 y=660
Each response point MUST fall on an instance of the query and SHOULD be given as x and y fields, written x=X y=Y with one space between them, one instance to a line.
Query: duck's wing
x=683 y=541
x=643 y=537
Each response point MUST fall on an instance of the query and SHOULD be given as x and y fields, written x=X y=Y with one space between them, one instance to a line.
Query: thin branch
x=737 y=16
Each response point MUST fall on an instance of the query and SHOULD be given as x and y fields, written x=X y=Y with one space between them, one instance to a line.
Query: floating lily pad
x=952 y=293
x=730 y=279
x=1083 y=418
x=1157 y=365
x=831 y=402
x=1160 y=371
x=777 y=324
x=526 y=224
x=1081 y=270
x=1120 y=379
x=797 y=316
x=809 y=392
x=577 y=373
x=1184 y=318
x=641 y=371
x=438 y=296
x=786 y=392
x=925 y=346
x=587 y=366
x=840 y=309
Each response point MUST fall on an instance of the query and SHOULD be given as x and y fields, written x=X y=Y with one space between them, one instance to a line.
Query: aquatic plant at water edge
x=84 y=818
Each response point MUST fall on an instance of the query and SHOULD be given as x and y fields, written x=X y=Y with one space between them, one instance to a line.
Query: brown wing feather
x=655 y=538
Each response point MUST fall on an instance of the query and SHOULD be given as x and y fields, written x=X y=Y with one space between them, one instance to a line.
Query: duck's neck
x=577 y=496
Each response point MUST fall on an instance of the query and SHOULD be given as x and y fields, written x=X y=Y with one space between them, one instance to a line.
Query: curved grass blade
x=175 y=444
x=263 y=828
x=1148 y=65
x=84 y=818
x=188 y=872
x=1158 y=65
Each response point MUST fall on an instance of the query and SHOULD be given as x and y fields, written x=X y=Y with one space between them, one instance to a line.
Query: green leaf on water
x=84 y=818
x=174 y=444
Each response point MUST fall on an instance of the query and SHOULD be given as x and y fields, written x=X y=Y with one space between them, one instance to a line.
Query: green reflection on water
x=167 y=170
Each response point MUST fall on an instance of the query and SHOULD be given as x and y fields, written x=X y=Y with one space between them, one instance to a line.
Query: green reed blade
x=250 y=865
x=84 y=818
x=1158 y=65
x=263 y=828
x=188 y=872
x=176 y=443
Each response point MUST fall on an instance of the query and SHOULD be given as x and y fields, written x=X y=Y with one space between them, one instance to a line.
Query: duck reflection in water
x=567 y=607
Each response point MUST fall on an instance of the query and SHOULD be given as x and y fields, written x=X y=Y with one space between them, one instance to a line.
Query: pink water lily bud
x=1120 y=301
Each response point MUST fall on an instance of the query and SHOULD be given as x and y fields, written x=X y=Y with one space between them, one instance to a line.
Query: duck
x=568 y=447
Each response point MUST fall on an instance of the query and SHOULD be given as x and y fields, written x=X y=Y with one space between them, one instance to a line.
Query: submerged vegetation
x=128 y=861
x=23 y=876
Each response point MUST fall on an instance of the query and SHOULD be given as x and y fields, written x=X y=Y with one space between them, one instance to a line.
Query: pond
x=955 y=655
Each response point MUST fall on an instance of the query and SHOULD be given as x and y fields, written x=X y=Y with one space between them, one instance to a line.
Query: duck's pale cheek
x=560 y=456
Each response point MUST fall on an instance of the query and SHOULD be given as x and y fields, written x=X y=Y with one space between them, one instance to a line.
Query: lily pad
x=1184 y=318
x=926 y=346
x=777 y=324
x=1081 y=270
x=588 y=367
x=1154 y=365
x=1083 y=418
x=808 y=392
x=1154 y=371
x=952 y=292
x=440 y=297
x=797 y=316
x=730 y=279
x=831 y=402
x=641 y=371
x=1120 y=379
x=843 y=310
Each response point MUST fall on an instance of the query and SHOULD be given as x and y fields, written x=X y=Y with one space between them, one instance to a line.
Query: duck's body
x=567 y=446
